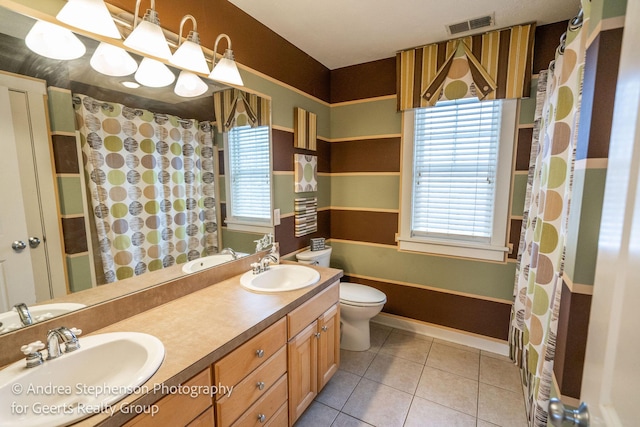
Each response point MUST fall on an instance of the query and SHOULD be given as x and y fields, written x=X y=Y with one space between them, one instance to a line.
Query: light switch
x=276 y=217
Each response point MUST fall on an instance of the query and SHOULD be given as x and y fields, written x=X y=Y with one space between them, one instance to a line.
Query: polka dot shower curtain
x=151 y=185
x=534 y=316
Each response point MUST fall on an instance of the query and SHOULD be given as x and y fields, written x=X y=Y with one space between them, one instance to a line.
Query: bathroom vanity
x=253 y=358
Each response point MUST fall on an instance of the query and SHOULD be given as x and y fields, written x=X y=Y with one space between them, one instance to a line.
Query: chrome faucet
x=23 y=313
x=273 y=257
x=62 y=335
x=230 y=251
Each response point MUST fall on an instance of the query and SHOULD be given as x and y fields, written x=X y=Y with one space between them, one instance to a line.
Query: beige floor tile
x=407 y=346
x=456 y=345
x=356 y=362
x=449 y=390
x=454 y=360
x=424 y=413
x=378 y=404
x=378 y=335
x=395 y=372
x=500 y=373
x=338 y=389
x=345 y=420
x=495 y=356
x=482 y=423
x=501 y=407
x=317 y=415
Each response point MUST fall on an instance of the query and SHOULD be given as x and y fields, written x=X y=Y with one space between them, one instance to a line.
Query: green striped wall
x=62 y=119
x=362 y=119
x=584 y=220
x=605 y=9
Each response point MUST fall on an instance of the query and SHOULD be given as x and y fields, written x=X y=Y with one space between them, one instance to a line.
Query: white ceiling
x=339 y=33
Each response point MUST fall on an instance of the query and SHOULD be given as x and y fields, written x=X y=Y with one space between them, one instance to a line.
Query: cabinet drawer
x=280 y=418
x=204 y=420
x=236 y=365
x=299 y=318
x=230 y=407
x=179 y=409
x=262 y=412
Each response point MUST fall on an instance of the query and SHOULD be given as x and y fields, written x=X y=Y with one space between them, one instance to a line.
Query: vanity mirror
x=78 y=76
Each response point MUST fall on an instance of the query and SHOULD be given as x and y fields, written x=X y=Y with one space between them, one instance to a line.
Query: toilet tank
x=320 y=258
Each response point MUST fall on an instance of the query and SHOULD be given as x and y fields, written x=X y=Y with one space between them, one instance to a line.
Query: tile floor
x=407 y=380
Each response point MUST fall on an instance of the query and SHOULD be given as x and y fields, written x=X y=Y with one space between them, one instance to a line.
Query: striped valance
x=493 y=65
x=305 y=129
x=234 y=107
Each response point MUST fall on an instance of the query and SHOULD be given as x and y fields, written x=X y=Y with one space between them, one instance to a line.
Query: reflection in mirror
x=81 y=245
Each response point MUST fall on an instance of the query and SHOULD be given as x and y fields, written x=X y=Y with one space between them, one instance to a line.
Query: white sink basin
x=10 y=320
x=280 y=278
x=208 y=261
x=105 y=369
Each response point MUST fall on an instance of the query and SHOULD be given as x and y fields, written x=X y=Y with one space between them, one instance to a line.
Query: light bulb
x=53 y=41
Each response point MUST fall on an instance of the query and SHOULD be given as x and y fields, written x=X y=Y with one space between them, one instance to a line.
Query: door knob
x=34 y=242
x=559 y=414
x=18 y=245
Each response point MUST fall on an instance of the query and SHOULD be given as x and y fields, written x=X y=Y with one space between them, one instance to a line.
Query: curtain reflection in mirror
x=151 y=184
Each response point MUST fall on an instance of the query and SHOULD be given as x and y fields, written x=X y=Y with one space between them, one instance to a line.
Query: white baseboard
x=449 y=334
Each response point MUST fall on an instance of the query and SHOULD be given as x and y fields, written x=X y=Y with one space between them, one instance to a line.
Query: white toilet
x=358 y=304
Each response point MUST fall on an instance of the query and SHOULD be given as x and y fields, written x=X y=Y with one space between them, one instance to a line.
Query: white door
x=27 y=198
x=611 y=381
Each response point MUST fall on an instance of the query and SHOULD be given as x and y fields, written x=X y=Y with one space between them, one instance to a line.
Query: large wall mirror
x=64 y=283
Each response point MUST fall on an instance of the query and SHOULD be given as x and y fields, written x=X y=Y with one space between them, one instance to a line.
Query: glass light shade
x=189 y=56
x=152 y=73
x=189 y=85
x=113 y=61
x=89 y=15
x=148 y=38
x=53 y=41
x=226 y=71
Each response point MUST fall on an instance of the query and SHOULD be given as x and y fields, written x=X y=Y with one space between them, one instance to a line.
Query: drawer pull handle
x=260 y=385
x=260 y=353
x=324 y=329
x=317 y=335
x=262 y=417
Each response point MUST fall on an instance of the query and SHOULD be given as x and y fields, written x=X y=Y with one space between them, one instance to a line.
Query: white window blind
x=456 y=146
x=249 y=173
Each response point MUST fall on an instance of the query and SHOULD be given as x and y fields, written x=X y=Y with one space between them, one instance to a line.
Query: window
x=248 y=178
x=456 y=177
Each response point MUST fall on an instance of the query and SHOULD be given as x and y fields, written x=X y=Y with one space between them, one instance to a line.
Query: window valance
x=234 y=107
x=493 y=65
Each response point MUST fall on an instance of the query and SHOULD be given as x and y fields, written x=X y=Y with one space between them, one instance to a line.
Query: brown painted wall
x=368 y=80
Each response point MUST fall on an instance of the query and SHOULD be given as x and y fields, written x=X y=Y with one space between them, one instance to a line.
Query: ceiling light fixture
x=113 y=61
x=147 y=36
x=53 y=41
x=226 y=71
x=189 y=54
x=89 y=15
x=152 y=73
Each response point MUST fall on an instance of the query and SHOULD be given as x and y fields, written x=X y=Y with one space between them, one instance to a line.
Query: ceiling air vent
x=471 y=24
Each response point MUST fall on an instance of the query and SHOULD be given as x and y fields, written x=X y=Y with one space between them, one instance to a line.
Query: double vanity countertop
x=201 y=327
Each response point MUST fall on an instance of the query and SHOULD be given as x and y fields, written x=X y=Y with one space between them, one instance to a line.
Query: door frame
x=36 y=92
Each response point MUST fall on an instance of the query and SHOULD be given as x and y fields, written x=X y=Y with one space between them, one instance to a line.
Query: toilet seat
x=360 y=295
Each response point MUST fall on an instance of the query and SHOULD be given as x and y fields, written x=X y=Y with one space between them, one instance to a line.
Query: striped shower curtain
x=534 y=316
x=151 y=185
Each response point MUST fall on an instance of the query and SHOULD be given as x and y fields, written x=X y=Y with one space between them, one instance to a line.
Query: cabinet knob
x=317 y=334
x=325 y=328
x=260 y=353
x=262 y=417
x=260 y=385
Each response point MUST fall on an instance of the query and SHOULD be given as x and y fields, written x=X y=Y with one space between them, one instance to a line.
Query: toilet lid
x=360 y=294
x=310 y=255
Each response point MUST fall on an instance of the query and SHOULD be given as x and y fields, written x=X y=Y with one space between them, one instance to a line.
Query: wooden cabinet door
x=303 y=370
x=328 y=345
